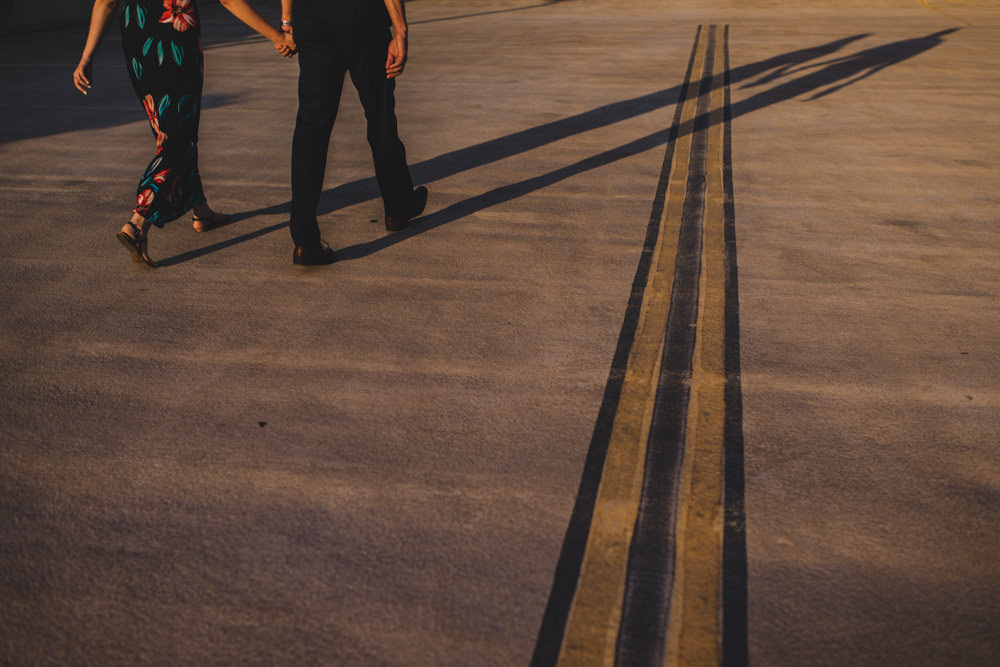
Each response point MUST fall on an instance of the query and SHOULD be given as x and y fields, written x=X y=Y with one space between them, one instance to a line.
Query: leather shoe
x=418 y=200
x=313 y=254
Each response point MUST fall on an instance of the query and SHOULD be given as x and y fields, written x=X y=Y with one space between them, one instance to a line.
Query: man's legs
x=376 y=93
x=321 y=78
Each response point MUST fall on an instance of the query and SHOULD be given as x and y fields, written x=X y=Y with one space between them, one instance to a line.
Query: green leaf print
x=140 y=16
x=183 y=102
x=159 y=52
x=147 y=46
x=164 y=104
x=178 y=53
x=137 y=68
x=128 y=17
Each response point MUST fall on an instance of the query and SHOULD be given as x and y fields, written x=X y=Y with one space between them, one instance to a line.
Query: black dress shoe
x=313 y=254
x=418 y=201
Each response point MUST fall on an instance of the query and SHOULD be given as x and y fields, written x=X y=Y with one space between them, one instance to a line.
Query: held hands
x=396 y=59
x=82 y=76
x=286 y=47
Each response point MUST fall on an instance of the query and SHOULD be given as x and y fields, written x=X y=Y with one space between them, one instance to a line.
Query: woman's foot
x=205 y=218
x=133 y=237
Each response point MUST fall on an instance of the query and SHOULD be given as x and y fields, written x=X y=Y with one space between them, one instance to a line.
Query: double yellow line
x=692 y=634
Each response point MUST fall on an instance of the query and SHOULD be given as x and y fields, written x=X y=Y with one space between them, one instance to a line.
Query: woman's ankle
x=140 y=223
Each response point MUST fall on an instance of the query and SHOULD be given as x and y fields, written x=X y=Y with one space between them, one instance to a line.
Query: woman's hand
x=104 y=11
x=82 y=75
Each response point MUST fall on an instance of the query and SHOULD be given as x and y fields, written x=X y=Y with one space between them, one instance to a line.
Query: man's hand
x=396 y=60
x=286 y=47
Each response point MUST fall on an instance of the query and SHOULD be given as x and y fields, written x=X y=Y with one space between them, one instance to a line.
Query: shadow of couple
x=809 y=73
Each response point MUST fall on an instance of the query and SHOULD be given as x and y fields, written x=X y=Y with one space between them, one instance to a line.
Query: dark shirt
x=352 y=22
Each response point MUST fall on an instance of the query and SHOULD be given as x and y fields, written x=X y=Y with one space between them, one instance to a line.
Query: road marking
x=694 y=630
x=592 y=630
x=641 y=577
x=988 y=4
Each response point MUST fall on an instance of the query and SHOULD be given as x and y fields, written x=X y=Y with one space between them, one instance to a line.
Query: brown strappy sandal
x=211 y=222
x=137 y=245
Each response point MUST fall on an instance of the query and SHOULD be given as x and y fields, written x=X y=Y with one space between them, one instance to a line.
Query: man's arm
x=396 y=59
x=286 y=27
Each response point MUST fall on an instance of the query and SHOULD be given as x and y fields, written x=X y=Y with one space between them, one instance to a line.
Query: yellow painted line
x=695 y=629
x=595 y=616
x=927 y=5
x=988 y=4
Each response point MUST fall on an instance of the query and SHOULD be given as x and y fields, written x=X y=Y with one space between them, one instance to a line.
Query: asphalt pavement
x=387 y=461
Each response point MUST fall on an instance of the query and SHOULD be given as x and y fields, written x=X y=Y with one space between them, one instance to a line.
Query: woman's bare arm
x=100 y=17
x=245 y=12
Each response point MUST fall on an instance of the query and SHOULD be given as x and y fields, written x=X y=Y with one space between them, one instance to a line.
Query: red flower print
x=161 y=176
x=145 y=199
x=154 y=120
x=179 y=13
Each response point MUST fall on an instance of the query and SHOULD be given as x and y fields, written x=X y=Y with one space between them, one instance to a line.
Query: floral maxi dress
x=162 y=43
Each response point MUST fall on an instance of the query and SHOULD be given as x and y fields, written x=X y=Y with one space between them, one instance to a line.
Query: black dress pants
x=323 y=62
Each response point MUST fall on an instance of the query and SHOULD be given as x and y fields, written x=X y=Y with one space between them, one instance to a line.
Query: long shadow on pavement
x=835 y=75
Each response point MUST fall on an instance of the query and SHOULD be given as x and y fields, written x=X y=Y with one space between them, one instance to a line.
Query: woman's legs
x=164 y=60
